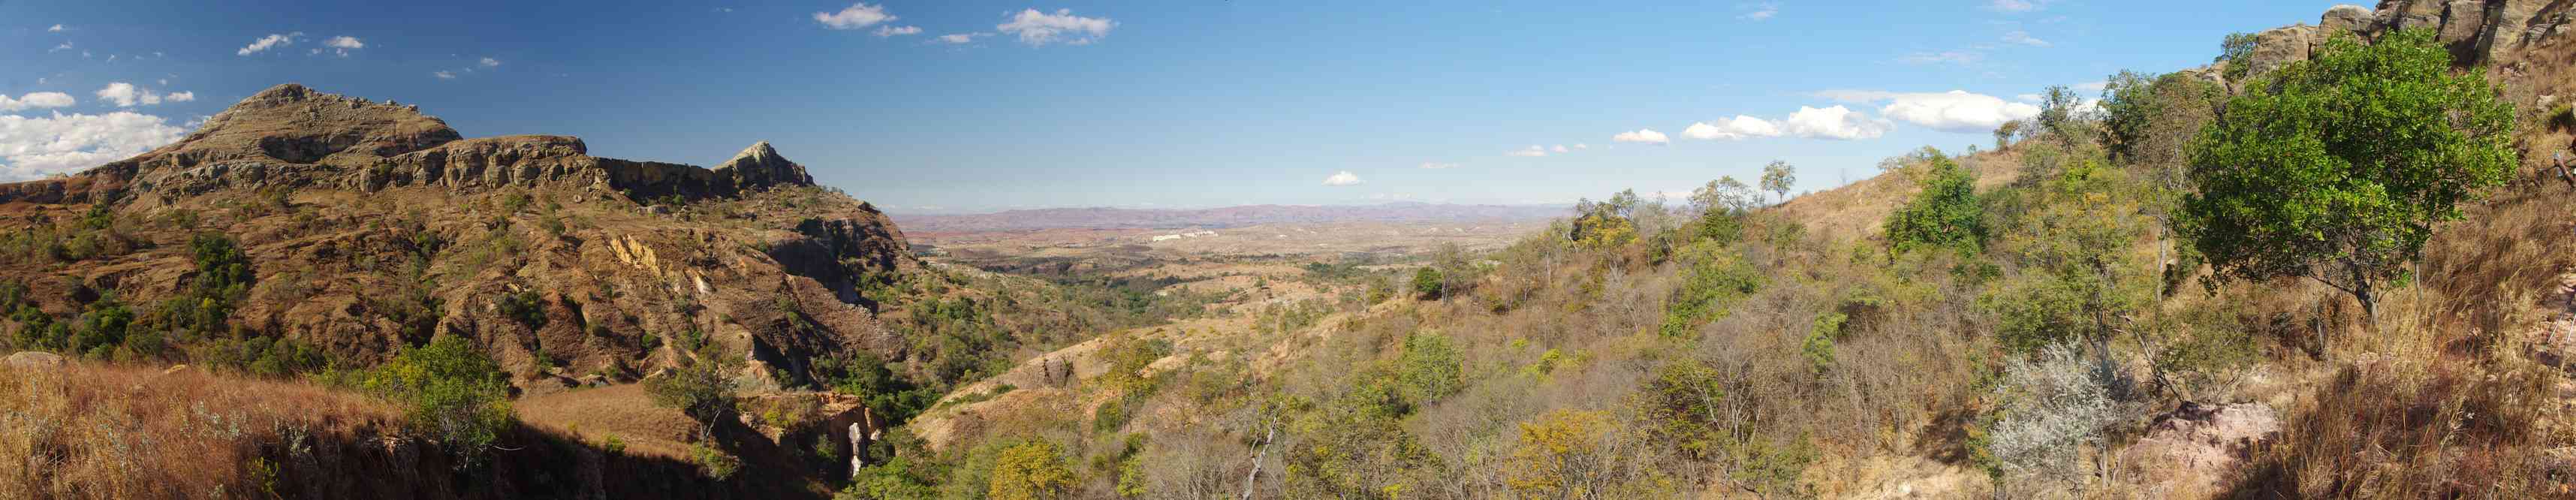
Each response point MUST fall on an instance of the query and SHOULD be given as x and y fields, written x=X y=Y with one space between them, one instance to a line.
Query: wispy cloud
x=888 y=31
x=959 y=38
x=1959 y=57
x=2024 y=38
x=1760 y=11
x=1533 y=151
x=271 y=41
x=1438 y=166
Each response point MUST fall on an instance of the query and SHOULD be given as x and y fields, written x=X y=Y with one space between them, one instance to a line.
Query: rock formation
x=371 y=226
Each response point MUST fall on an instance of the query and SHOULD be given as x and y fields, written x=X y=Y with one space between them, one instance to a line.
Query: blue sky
x=1136 y=104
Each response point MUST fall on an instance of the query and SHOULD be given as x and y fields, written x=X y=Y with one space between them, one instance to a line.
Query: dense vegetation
x=2028 y=317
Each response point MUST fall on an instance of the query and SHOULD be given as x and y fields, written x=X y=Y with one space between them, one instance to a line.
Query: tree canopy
x=2337 y=168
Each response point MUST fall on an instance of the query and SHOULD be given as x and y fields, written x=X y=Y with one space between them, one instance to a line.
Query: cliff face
x=2510 y=36
x=370 y=226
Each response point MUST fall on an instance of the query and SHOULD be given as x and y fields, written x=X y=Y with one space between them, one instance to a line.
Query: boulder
x=35 y=360
x=2279 y=47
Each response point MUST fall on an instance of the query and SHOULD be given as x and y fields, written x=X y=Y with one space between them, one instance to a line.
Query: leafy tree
x=1030 y=471
x=698 y=390
x=1605 y=224
x=2004 y=134
x=2336 y=168
x=453 y=390
x=1717 y=280
x=1426 y=283
x=1563 y=454
x=1778 y=177
x=1724 y=194
x=1943 y=215
x=2236 y=51
x=2058 y=112
x=2080 y=279
x=1430 y=368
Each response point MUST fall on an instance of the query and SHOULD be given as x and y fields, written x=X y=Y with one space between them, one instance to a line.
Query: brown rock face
x=394 y=229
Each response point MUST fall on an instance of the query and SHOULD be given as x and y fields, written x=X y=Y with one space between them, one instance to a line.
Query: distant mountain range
x=1125 y=218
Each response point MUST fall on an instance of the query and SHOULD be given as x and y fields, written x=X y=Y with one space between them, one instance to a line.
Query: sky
x=961 y=106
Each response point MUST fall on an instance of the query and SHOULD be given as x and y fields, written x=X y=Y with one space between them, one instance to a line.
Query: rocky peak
x=291 y=123
x=761 y=166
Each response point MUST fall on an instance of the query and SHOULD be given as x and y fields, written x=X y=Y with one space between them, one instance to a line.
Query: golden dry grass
x=85 y=431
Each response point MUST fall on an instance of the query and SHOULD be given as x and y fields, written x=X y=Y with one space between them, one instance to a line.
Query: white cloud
x=127 y=95
x=1761 y=11
x=859 y=15
x=56 y=29
x=271 y=41
x=58 y=48
x=343 y=44
x=2024 y=38
x=1643 y=135
x=1343 y=178
x=1438 y=166
x=959 y=38
x=35 y=100
x=1533 y=150
x=2027 y=98
x=1579 y=145
x=489 y=62
x=1953 y=111
x=1560 y=148
x=1836 y=122
x=1944 y=57
x=1039 y=28
x=886 y=31
x=32 y=148
x=444 y=75
x=1740 y=128
x=2094 y=87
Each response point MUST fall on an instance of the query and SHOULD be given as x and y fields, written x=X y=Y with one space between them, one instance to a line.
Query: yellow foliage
x=1559 y=452
x=1030 y=471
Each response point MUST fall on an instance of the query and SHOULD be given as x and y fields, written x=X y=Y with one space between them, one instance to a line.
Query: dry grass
x=124 y=432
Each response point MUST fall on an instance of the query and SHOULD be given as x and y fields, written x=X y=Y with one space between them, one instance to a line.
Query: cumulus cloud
x=1533 y=150
x=1953 y=111
x=55 y=29
x=858 y=15
x=33 y=147
x=887 y=31
x=1343 y=178
x=343 y=44
x=959 y=38
x=489 y=62
x=271 y=41
x=1838 y=123
x=1039 y=28
x=1643 y=135
x=35 y=100
x=127 y=95
x=1740 y=128
x=1438 y=166
x=2024 y=38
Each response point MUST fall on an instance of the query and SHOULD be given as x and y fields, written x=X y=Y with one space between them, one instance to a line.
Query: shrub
x=716 y=464
x=2049 y=410
x=1562 y=454
x=452 y=390
x=1426 y=283
x=527 y=307
x=1717 y=280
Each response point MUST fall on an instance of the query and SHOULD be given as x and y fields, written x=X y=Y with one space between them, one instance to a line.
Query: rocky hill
x=365 y=227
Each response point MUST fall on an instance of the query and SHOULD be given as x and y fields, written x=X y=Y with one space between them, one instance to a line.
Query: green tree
x=1426 y=283
x=1944 y=214
x=1778 y=177
x=698 y=390
x=1030 y=471
x=2336 y=168
x=1430 y=368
